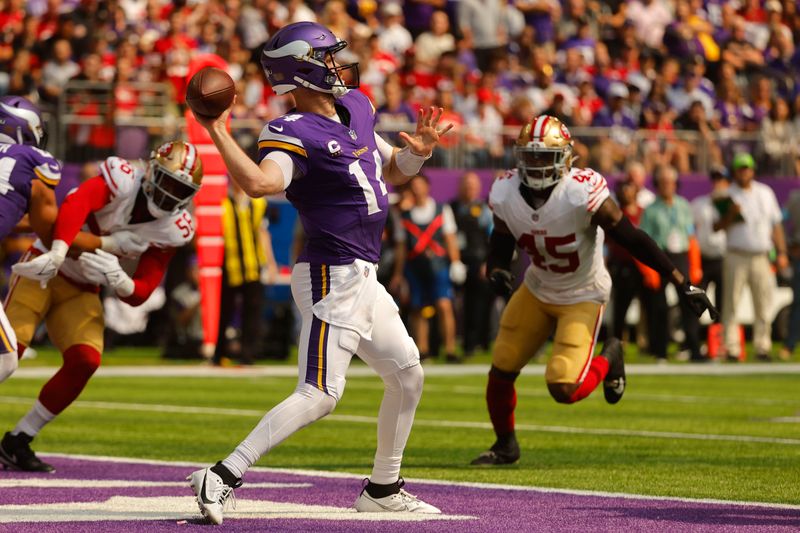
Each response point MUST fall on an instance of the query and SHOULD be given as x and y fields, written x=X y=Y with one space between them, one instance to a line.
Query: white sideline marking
x=287 y=371
x=122 y=483
x=467 y=484
x=464 y=424
x=119 y=508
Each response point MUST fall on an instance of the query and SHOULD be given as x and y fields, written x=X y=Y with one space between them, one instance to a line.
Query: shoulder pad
x=502 y=186
x=280 y=134
x=119 y=175
x=592 y=186
x=46 y=167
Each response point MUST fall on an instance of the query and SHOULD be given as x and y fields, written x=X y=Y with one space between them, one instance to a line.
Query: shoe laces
x=227 y=496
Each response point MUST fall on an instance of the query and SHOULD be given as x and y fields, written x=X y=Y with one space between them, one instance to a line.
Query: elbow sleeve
x=501 y=250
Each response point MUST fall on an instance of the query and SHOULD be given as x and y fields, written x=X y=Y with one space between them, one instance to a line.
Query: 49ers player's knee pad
x=574 y=342
x=524 y=328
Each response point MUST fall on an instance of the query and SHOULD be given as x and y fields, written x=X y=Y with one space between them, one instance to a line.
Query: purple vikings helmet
x=296 y=57
x=21 y=122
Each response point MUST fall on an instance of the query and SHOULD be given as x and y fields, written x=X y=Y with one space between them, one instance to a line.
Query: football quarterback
x=558 y=215
x=326 y=156
x=138 y=219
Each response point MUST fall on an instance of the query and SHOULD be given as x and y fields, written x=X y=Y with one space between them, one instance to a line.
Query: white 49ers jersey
x=124 y=181
x=565 y=248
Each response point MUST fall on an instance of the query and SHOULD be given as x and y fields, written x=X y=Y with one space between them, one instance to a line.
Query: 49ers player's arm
x=498 y=263
x=149 y=272
x=92 y=195
x=638 y=243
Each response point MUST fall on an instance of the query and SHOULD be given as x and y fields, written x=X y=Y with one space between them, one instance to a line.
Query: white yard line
x=486 y=486
x=284 y=371
x=462 y=424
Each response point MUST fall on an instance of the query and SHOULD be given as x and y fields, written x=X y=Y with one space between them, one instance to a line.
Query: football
x=210 y=92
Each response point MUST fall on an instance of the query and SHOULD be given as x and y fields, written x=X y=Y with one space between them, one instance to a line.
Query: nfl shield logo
x=353 y=134
x=535 y=217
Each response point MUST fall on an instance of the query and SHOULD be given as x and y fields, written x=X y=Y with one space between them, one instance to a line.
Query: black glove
x=698 y=301
x=502 y=282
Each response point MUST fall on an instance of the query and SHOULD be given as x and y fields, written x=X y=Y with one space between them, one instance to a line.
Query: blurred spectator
x=712 y=243
x=427 y=249
x=752 y=221
x=635 y=174
x=395 y=114
x=418 y=14
x=394 y=37
x=482 y=24
x=249 y=263
x=668 y=220
x=621 y=265
x=474 y=222
x=432 y=44
x=58 y=71
x=793 y=237
x=611 y=152
x=695 y=119
x=779 y=138
x=185 y=334
x=650 y=18
x=541 y=16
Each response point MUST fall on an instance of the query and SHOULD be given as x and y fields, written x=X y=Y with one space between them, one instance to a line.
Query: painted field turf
x=723 y=437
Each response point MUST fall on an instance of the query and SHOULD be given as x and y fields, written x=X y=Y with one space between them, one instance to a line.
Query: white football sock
x=33 y=422
x=304 y=406
x=395 y=418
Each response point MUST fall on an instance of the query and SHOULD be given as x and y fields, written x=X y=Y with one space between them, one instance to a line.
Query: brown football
x=210 y=92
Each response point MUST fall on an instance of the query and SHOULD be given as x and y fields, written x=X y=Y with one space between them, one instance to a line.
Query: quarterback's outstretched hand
x=124 y=243
x=103 y=268
x=428 y=132
x=502 y=282
x=698 y=301
x=45 y=267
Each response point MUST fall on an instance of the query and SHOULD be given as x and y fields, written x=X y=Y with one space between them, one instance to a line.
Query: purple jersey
x=20 y=164
x=338 y=189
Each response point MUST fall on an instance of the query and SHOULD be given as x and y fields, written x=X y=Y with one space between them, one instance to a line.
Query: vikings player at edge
x=327 y=157
x=555 y=213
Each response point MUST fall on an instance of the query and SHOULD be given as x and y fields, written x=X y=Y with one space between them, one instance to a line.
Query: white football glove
x=458 y=272
x=45 y=267
x=103 y=268
x=124 y=243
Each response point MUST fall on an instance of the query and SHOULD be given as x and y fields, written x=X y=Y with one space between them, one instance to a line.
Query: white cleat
x=401 y=502
x=212 y=493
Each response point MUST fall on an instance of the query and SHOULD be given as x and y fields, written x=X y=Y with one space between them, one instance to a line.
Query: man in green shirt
x=668 y=220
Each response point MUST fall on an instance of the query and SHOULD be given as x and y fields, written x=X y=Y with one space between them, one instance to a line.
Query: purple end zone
x=494 y=509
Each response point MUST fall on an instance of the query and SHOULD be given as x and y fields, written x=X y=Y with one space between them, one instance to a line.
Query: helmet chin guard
x=544 y=152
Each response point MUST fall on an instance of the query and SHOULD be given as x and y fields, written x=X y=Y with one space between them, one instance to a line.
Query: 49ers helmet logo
x=164 y=150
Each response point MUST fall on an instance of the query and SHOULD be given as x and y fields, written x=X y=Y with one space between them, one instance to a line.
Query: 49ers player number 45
x=559 y=215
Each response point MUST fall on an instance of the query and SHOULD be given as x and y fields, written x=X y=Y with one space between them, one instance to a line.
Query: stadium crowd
x=639 y=72
x=644 y=68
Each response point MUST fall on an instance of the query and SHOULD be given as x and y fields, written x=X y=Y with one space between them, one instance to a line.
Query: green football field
x=707 y=436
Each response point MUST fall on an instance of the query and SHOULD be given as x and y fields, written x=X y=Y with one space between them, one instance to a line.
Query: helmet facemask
x=540 y=167
x=173 y=178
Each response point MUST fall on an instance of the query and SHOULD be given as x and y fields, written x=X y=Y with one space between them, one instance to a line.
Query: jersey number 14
x=365 y=183
x=565 y=262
